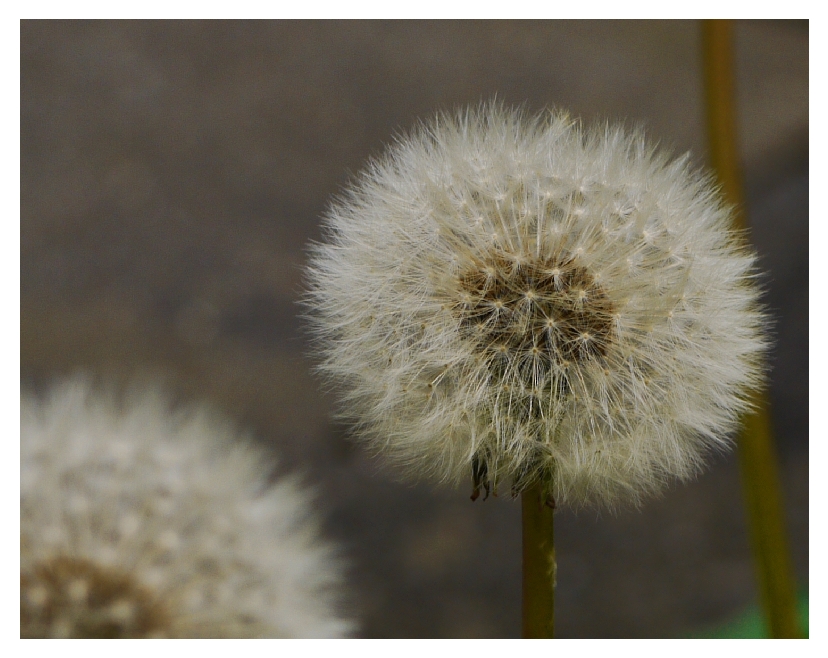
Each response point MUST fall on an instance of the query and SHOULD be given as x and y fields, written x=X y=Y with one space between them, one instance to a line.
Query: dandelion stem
x=539 y=565
x=756 y=451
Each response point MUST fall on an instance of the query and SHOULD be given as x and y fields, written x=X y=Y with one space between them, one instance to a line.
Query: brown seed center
x=70 y=597
x=548 y=307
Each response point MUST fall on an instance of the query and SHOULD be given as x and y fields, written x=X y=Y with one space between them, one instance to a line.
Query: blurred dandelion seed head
x=561 y=305
x=140 y=521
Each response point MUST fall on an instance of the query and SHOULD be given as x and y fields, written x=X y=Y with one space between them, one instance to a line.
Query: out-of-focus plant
x=137 y=520
x=760 y=475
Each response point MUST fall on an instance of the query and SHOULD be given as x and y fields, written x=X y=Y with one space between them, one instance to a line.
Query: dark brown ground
x=173 y=174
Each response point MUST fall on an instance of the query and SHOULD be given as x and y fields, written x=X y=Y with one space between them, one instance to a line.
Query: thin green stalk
x=756 y=451
x=539 y=565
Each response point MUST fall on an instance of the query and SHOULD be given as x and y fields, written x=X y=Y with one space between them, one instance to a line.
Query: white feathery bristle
x=137 y=520
x=528 y=300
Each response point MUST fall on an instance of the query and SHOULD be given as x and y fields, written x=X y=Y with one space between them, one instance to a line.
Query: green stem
x=756 y=452
x=539 y=565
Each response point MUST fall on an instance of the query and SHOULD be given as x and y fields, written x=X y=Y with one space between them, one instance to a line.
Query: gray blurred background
x=173 y=174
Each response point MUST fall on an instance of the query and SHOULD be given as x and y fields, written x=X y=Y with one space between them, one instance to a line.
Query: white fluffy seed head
x=140 y=521
x=539 y=303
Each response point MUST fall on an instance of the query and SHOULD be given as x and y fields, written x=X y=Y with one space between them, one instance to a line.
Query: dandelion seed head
x=584 y=318
x=130 y=512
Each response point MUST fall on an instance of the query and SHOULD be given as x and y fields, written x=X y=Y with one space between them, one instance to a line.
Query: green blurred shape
x=751 y=624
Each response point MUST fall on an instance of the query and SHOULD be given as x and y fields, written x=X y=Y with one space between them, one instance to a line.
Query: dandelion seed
x=132 y=558
x=576 y=351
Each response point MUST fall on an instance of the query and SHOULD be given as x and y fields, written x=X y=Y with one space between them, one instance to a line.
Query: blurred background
x=173 y=174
